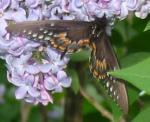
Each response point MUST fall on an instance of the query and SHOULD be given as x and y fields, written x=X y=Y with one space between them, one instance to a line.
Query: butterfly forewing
x=103 y=60
x=66 y=36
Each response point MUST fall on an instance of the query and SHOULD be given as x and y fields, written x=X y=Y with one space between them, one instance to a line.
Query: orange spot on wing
x=84 y=42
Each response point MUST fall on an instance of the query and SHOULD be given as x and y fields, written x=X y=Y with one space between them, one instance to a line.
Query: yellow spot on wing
x=61 y=48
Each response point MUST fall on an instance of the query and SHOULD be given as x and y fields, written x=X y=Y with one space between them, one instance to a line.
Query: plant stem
x=43 y=111
x=73 y=107
x=74 y=102
x=100 y=108
x=25 y=111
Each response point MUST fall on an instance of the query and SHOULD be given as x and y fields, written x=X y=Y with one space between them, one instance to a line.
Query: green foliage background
x=131 y=41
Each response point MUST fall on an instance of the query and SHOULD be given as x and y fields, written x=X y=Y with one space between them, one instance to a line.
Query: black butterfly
x=70 y=36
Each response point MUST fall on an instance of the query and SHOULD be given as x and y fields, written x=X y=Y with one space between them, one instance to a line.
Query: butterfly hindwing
x=64 y=35
x=103 y=60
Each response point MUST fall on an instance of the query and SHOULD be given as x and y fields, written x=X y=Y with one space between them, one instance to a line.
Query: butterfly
x=69 y=36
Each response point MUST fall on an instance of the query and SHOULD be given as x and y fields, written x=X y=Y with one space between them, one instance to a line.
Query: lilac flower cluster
x=37 y=70
x=87 y=10
x=34 y=78
x=109 y=8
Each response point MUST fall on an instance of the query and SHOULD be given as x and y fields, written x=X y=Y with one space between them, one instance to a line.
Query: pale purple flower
x=29 y=88
x=30 y=76
x=25 y=85
x=4 y=4
x=3 y=25
x=45 y=97
x=16 y=45
x=18 y=64
x=14 y=4
x=132 y=4
x=56 y=83
x=16 y=15
x=143 y=9
x=34 y=14
x=56 y=63
x=86 y=10
x=32 y=3
x=50 y=63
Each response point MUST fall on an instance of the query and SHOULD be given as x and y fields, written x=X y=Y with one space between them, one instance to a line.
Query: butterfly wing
x=103 y=60
x=64 y=35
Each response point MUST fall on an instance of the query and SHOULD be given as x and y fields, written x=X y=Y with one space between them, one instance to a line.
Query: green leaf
x=134 y=58
x=75 y=80
x=88 y=108
x=139 y=43
x=133 y=94
x=3 y=78
x=9 y=111
x=80 y=56
x=147 y=26
x=143 y=116
x=91 y=90
x=138 y=75
x=117 y=113
x=35 y=115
